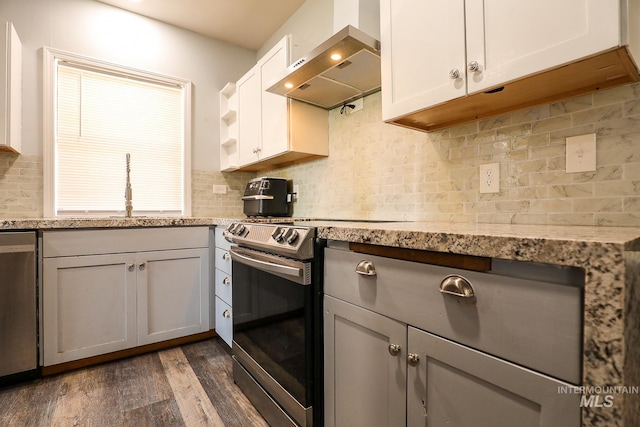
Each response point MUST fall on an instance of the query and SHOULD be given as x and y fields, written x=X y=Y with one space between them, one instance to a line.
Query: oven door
x=273 y=326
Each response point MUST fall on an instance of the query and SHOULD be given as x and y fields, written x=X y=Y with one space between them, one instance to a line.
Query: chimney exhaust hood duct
x=343 y=68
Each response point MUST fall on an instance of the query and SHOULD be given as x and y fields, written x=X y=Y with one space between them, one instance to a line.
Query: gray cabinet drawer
x=221 y=242
x=537 y=324
x=223 y=286
x=223 y=260
x=59 y=243
x=224 y=321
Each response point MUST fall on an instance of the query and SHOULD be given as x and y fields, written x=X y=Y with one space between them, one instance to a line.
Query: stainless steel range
x=277 y=321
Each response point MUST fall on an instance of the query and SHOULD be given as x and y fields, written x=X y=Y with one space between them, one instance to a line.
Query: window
x=95 y=114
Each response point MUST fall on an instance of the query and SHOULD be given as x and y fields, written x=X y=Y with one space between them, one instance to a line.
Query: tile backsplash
x=20 y=186
x=205 y=203
x=21 y=189
x=381 y=171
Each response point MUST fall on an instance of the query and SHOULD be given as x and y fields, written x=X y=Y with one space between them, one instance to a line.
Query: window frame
x=51 y=58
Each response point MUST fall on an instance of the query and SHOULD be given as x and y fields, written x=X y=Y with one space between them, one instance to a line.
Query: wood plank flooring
x=190 y=385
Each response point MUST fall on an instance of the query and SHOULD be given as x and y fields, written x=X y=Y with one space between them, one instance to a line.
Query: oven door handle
x=296 y=274
x=258 y=197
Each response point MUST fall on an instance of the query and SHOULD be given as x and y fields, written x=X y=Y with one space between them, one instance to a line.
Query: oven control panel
x=282 y=239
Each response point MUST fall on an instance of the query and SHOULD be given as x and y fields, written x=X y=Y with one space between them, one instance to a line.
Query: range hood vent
x=343 y=68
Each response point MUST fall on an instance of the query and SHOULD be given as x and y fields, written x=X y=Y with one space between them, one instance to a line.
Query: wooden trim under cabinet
x=605 y=70
x=465 y=262
x=95 y=360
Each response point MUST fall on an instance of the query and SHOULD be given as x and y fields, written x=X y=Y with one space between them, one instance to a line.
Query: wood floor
x=191 y=385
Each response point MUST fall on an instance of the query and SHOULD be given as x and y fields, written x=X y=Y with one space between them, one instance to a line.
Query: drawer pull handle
x=457 y=286
x=394 y=349
x=226 y=281
x=413 y=359
x=366 y=268
x=226 y=256
x=131 y=267
x=226 y=314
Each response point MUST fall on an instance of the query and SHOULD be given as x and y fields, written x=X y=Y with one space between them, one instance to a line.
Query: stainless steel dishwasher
x=18 y=318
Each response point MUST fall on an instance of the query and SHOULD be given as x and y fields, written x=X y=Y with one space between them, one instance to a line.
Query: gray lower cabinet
x=223 y=287
x=364 y=384
x=95 y=303
x=398 y=351
x=449 y=384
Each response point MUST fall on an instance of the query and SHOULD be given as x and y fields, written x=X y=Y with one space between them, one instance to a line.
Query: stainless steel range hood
x=343 y=68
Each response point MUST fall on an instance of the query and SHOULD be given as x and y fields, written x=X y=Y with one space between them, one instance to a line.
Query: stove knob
x=281 y=236
x=239 y=230
x=231 y=227
x=277 y=234
x=291 y=236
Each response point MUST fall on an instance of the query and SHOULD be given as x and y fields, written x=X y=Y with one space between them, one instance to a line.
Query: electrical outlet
x=490 y=178
x=219 y=189
x=581 y=153
x=296 y=192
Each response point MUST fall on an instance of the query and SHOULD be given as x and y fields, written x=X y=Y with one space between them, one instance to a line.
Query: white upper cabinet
x=274 y=107
x=509 y=40
x=421 y=42
x=436 y=51
x=273 y=129
x=10 y=88
x=249 y=116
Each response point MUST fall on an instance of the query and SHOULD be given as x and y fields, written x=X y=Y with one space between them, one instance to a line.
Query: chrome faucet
x=128 y=206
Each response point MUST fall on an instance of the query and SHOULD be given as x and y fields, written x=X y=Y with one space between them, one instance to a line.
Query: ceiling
x=247 y=23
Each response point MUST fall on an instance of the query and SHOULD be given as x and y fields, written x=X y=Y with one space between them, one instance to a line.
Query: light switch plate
x=581 y=153
x=219 y=189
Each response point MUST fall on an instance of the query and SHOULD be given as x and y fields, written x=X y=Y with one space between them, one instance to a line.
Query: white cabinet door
x=275 y=117
x=88 y=306
x=511 y=39
x=425 y=41
x=173 y=294
x=422 y=41
x=365 y=385
x=249 y=117
x=10 y=88
x=450 y=384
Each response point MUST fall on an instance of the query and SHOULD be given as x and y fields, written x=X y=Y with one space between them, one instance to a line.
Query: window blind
x=99 y=118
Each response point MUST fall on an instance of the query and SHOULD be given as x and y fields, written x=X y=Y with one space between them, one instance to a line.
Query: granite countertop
x=108 y=222
x=447 y=237
x=610 y=257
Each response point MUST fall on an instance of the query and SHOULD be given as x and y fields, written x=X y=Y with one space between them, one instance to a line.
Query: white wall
x=94 y=29
x=309 y=26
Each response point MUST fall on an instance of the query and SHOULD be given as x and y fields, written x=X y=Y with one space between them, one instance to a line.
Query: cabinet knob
x=141 y=266
x=454 y=74
x=394 y=349
x=473 y=66
x=226 y=314
x=413 y=359
x=366 y=268
x=226 y=281
x=131 y=267
x=226 y=256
